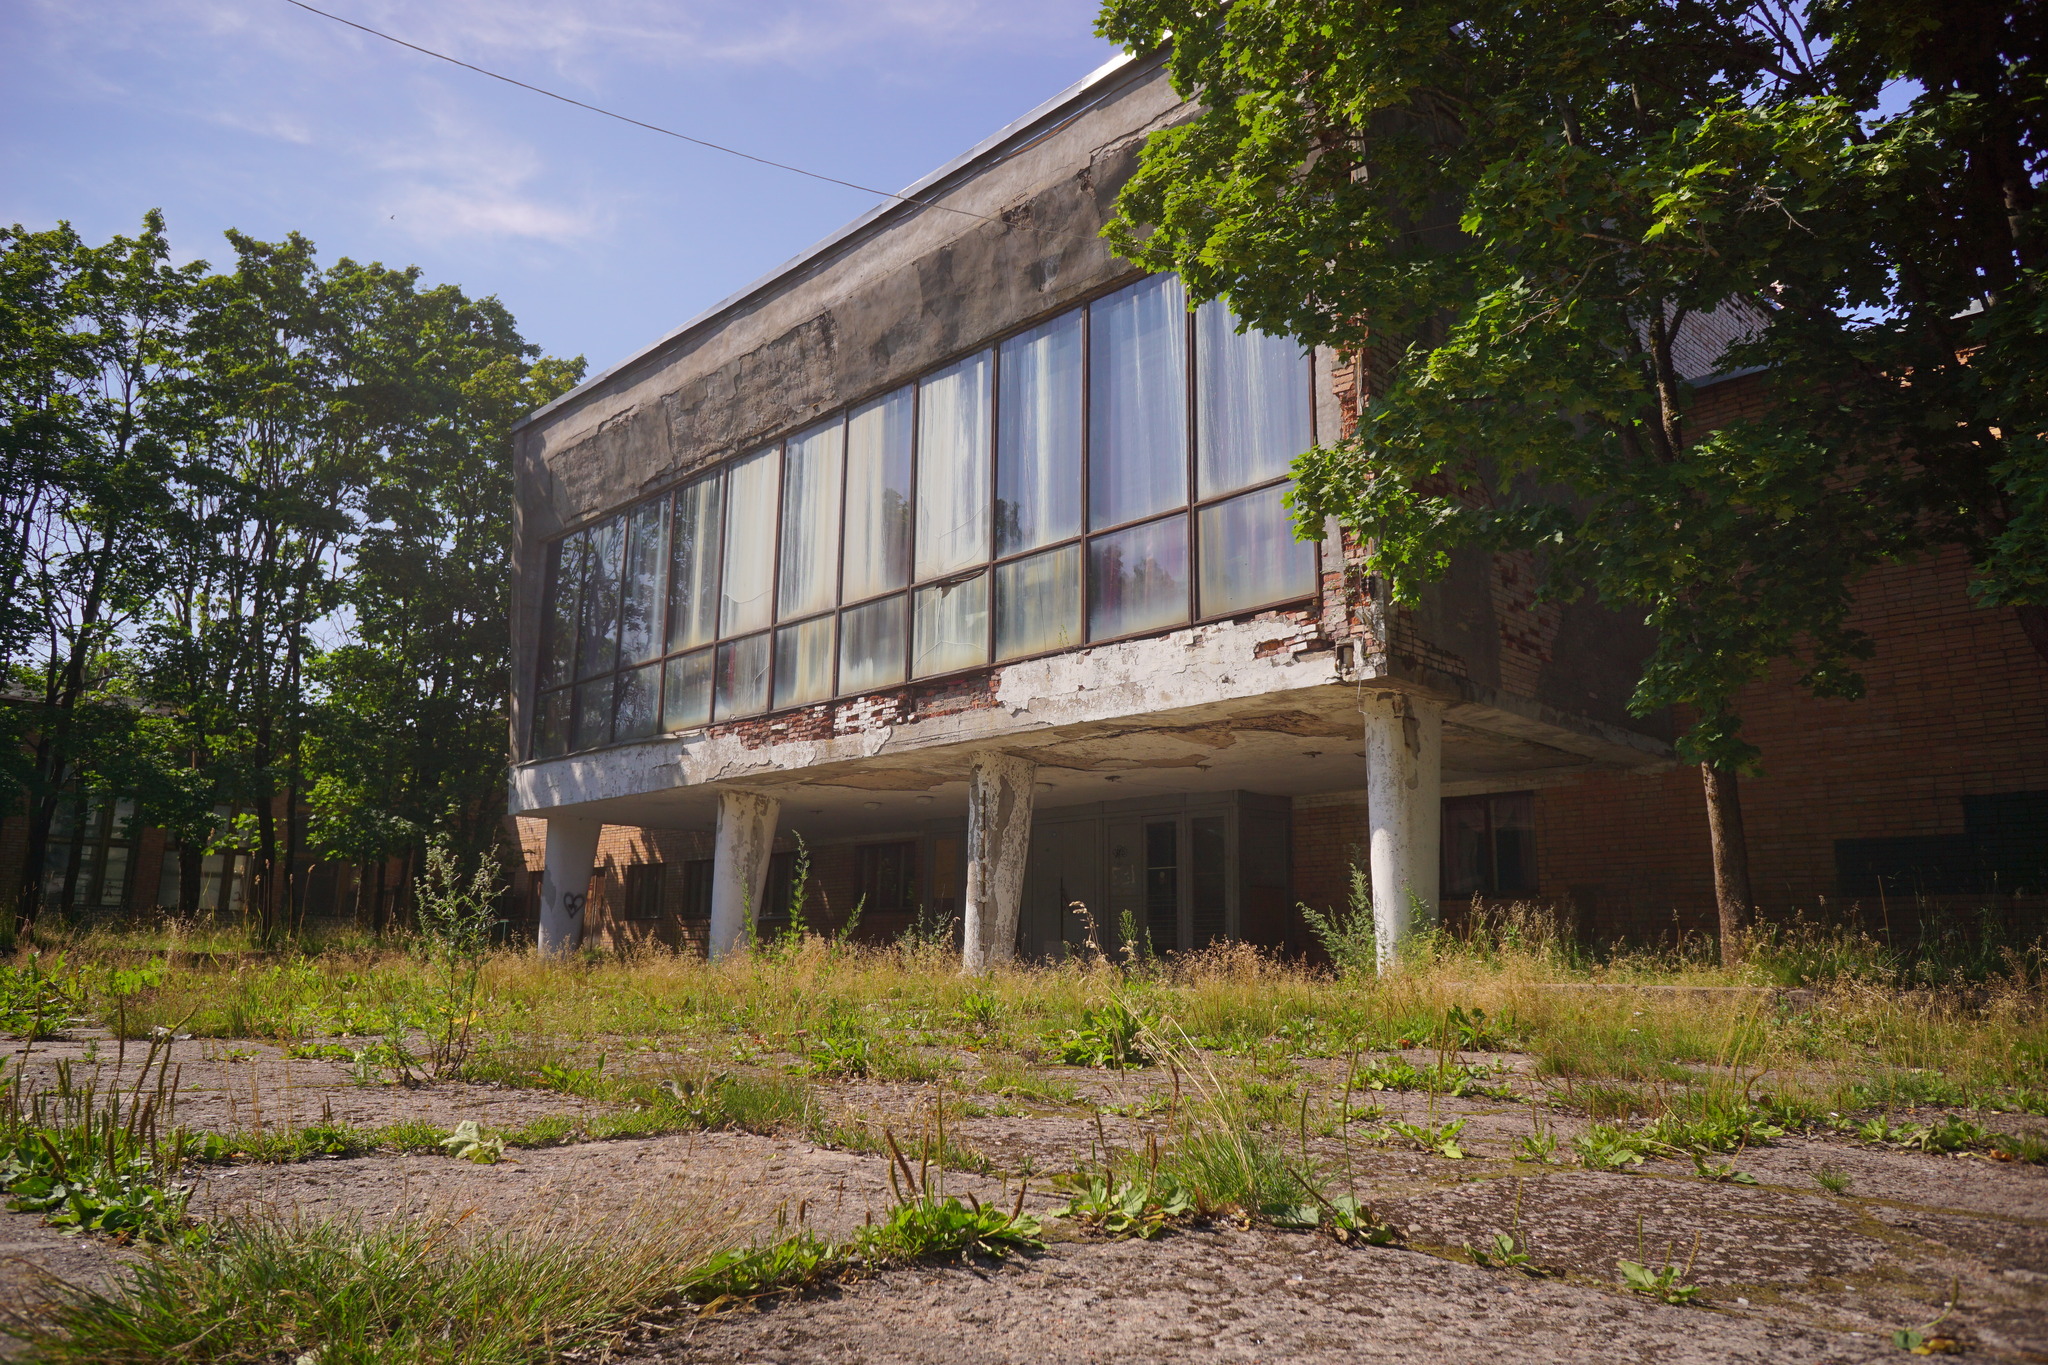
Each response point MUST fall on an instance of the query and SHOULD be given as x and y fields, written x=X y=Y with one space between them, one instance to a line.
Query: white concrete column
x=739 y=866
x=999 y=800
x=1404 y=746
x=565 y=882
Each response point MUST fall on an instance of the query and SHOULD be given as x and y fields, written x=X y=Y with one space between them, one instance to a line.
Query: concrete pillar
x=565 y=882
x=999 y=799
x=739 y=866
x=1404 y=746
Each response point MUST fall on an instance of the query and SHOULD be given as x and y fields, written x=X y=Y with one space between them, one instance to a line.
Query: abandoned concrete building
x=952 y=560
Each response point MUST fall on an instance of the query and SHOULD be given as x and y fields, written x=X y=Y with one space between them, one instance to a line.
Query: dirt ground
x=1788 y=1271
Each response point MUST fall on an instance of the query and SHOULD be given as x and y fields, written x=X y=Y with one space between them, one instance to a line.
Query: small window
x=643 y=892
x=1489 y=846
x=696 y=906
x=888 y=878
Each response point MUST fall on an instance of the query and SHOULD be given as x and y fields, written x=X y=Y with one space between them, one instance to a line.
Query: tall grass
x=832 y=1008
x=393 y=1293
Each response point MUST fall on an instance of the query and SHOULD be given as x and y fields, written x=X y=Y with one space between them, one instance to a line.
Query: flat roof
x=982 y=152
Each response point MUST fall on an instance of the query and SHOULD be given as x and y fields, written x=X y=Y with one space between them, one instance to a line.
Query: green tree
x=1508 y=213
x=92 y=360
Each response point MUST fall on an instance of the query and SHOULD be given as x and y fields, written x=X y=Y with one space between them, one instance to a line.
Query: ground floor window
x=90 y=858
x=1489 y=845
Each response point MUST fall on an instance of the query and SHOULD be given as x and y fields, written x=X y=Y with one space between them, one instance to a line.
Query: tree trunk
x=1731 y=859
x=191 y=877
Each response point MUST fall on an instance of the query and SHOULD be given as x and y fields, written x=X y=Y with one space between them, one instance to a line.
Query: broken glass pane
x=951 y=630
x=742 y=679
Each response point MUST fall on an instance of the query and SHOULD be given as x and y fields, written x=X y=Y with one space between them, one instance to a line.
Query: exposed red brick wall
x=1957 y=705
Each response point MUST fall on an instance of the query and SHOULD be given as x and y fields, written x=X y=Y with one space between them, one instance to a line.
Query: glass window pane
x=742 y=678
x=1250 y=556
x=1038 y=603
x=803 y=662
x=749 y=543
x=693 y=564
x=952 y=627
x=871 y=645
x=641 y=597
x=599 y=651
x=639 y=711
x=551 y=725
x=878 y=496
x=1137 y=402
x=1138 y=579
x=593 y=714
x=952 y=467
x=558 y=624
x=1251 y=402
x=809 y=579
x=1038 y=443
x=686 y=692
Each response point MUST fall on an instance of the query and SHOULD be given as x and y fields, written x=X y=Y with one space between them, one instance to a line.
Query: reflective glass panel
x=871 y=645
x=1251 y=402
x=599 y=650
x=639 y=713
x=742 y=677
x=551 y=725
x=1249 y=554
x=640 y=600
x=749 y=577
x=1137 y=402
x=1038 y=441
x=803 y=662
x=558 y=628
x=593 y=714
x=952 y=467
x=1138 y=579
x=878 y=496
x=686 y=691
x=809 y=579
x=951 y=630
x=1038 y=603
x=693 y=565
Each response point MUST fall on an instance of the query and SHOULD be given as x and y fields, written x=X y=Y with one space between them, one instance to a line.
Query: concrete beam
x=739 y=867
x=565 y=882
x=1404 y=784
x=999 y=801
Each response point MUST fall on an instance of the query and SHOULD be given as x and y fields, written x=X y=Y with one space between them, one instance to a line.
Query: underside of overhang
x=1304 y=742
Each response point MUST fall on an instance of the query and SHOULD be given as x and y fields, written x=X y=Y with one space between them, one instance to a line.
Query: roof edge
x=980 y=152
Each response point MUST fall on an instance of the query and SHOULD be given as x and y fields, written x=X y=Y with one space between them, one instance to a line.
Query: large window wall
x=1114 y=471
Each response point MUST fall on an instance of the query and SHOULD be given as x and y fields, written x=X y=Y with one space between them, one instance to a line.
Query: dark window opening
x=2003 y=849
x=888 y=879
x=696 y=906
x=643 y=892
x=1162 y=884
x=1489 y=845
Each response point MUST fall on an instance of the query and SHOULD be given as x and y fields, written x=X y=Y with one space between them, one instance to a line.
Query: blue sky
x=255 y=115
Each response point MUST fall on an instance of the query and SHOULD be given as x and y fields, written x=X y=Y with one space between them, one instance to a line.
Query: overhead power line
x=666 y=132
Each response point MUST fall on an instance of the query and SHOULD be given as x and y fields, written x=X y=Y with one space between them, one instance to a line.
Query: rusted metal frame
x=990 y=469
x=916 y=504
x=1189 y=470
